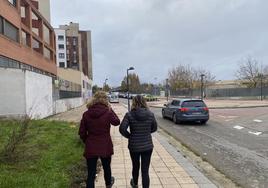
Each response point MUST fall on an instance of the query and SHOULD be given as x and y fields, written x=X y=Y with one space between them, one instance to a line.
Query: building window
x=60 y=37
x=9 y=63
x=61 y=55
x=74 y=41
x=62 y=64
x=1 y=25
x=13 y=2
x=10 y=31
x=68 y=57
x=61 y=46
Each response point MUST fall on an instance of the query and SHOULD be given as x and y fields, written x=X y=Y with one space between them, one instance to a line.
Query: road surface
x=235 y=141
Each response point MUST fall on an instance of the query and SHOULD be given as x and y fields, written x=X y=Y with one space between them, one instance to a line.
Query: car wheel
x=174 y=118
x=203 y=122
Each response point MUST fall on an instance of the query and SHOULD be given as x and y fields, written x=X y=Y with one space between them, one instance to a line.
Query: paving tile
x=207 y=186
x=189 y=186
x=168 y=167
x=168 y=181
x=184 y=180
x=181 y=174
x=165 y=175
x=172 y=186
x=155 y=181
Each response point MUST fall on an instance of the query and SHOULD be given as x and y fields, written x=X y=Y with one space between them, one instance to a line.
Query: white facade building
x=61 y=48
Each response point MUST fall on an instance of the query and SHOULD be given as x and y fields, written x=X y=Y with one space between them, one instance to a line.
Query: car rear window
x=175 y=103
x=193 y=104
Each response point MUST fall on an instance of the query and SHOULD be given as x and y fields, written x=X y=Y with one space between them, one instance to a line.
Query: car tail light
x=206 y=108
x=184 y=109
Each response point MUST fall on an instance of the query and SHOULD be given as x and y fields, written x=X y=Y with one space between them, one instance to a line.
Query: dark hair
x=139 y=102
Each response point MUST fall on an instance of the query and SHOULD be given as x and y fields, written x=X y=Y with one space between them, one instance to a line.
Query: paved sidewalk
x=221 y=103
x=168 y=167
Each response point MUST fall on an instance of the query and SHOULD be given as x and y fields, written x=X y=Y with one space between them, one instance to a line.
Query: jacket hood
x=141 y=114
x=97 y=111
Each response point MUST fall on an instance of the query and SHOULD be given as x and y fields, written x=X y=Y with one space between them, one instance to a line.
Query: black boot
x=132 y=184
x=112 y=182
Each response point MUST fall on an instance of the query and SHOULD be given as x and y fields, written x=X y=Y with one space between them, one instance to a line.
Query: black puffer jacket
x=141 y=123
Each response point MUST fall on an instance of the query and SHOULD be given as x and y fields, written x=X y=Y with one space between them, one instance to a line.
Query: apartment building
x=74 y=56
x=27 y=60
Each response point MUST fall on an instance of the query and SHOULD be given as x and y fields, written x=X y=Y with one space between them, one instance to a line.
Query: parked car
x=186 y=110
x=114 y=97
x=122 y=95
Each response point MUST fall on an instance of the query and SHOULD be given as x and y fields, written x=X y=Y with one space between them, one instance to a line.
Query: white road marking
x=255 y=133
x=231 y=117
x=257 y=120
x=238 y=127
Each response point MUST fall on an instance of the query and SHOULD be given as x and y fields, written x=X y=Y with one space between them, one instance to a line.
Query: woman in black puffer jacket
x=141 y=123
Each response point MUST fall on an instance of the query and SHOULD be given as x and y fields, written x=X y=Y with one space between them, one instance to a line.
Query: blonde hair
x=100 y=97
x=139 y=102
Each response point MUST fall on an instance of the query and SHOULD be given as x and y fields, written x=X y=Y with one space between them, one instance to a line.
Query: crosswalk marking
x=255 y=133
x=238 y=127
x=257 y=120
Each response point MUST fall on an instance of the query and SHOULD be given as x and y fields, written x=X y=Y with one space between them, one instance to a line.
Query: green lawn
x=48 y=155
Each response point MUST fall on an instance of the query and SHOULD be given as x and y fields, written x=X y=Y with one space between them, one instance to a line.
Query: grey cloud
x=155 y=35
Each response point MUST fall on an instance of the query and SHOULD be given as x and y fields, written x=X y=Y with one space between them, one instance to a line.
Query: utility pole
x=261 y=76
x=155 y=86
x=105 y=83
x=202 y=86
x=128 y=103
x=167 y=91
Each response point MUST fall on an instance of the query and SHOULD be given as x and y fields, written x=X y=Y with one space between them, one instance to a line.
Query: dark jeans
x=145 y=164
x=92 y=166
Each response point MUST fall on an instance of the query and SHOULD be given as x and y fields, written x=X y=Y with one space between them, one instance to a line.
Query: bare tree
x=248 y=72
x=187 y=77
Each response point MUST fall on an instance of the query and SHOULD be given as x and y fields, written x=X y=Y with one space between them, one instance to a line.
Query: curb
x=224 y=107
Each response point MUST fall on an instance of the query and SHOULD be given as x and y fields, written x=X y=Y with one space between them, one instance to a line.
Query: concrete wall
x=70 y=75
x=12 y=92
x=86 y=92
x=38 y=92
x=44 y=8
x=25 y=92
x=64 y=105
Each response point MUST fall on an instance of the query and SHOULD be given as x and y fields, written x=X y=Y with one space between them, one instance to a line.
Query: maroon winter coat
x=95 y=131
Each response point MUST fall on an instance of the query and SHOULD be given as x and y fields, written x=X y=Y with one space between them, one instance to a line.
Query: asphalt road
x=234 y=141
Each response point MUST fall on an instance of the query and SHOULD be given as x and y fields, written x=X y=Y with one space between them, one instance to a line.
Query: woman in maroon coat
x=95 y=132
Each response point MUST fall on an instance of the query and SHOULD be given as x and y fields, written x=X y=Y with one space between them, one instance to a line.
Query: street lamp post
x=128 y=103
x=105 y=82
x=202 y=85
x=167 y=92
x=261 y=77
x=155 y=86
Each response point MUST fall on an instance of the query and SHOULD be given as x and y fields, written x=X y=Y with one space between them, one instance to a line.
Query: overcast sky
x=156 y=35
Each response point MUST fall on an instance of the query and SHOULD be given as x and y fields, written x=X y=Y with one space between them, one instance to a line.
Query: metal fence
x=254 y=93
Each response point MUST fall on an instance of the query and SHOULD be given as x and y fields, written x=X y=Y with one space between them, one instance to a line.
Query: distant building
x=61 y=48
x=74 y=56
x=27 y=60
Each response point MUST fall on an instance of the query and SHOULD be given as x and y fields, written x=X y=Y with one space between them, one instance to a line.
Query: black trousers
x=92 y=167
x=145 y=164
